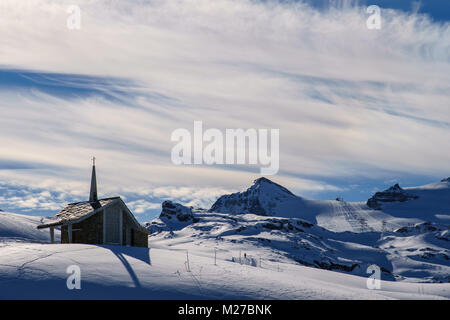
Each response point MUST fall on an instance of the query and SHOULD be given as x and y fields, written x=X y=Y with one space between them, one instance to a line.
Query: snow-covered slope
x=420 y=251
x=38 y=271
x=23 y=228
x=387 y=210
x=294 y=240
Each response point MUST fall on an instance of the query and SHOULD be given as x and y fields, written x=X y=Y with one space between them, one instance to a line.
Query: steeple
x=93 y=195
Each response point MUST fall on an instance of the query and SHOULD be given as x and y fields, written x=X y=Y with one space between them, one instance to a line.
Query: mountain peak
x=264 y=197
x=262 y=180
x=392 y=194
x=266 y=185
x=446 y=180
x=395 y=188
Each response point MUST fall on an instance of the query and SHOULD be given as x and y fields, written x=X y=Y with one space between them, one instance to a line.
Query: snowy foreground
x=38 y=271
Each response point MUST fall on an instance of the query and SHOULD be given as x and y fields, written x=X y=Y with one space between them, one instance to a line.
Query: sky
x=358 y=110
x=437 y=10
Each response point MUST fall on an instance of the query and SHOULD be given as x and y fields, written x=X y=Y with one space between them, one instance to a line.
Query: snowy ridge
x=23 y=228
x=390 y=209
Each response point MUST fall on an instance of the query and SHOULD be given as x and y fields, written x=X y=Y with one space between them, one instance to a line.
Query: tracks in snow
x=357 y=222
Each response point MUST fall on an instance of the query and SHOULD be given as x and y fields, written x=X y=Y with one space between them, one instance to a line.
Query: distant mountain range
x=386 y=210
x=405 y=231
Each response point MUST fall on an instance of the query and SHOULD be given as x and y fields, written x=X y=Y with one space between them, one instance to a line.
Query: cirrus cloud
x=350 y=103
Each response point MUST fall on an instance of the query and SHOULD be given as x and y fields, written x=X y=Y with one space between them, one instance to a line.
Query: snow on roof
x=75 y=211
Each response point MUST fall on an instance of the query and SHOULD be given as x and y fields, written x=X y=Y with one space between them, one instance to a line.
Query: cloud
x=141 y=206
x=28 y=200
x=349 y=102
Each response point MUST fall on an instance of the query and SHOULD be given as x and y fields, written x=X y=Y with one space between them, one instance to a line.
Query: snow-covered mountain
x=271 y=222
x=430 y=202
x=390 y=209
x=392 y=194
x=265 y=198
x=293 y=240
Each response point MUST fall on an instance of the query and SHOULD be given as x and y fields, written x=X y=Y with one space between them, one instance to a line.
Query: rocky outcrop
x=392 y=194
x=329 y=265
x=441 y=231
x=176 y=212
x=174 y=216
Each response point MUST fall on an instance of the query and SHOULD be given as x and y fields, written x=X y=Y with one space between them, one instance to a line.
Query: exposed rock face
x=329 y=265
x=176 y=211
x=446 y=180
x=392 y=194
x=259 y=199
x=174 y=216
x=442 y=231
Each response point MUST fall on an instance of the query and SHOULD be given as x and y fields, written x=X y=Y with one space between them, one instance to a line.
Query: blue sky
x=358 y=110
x=438 y=10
